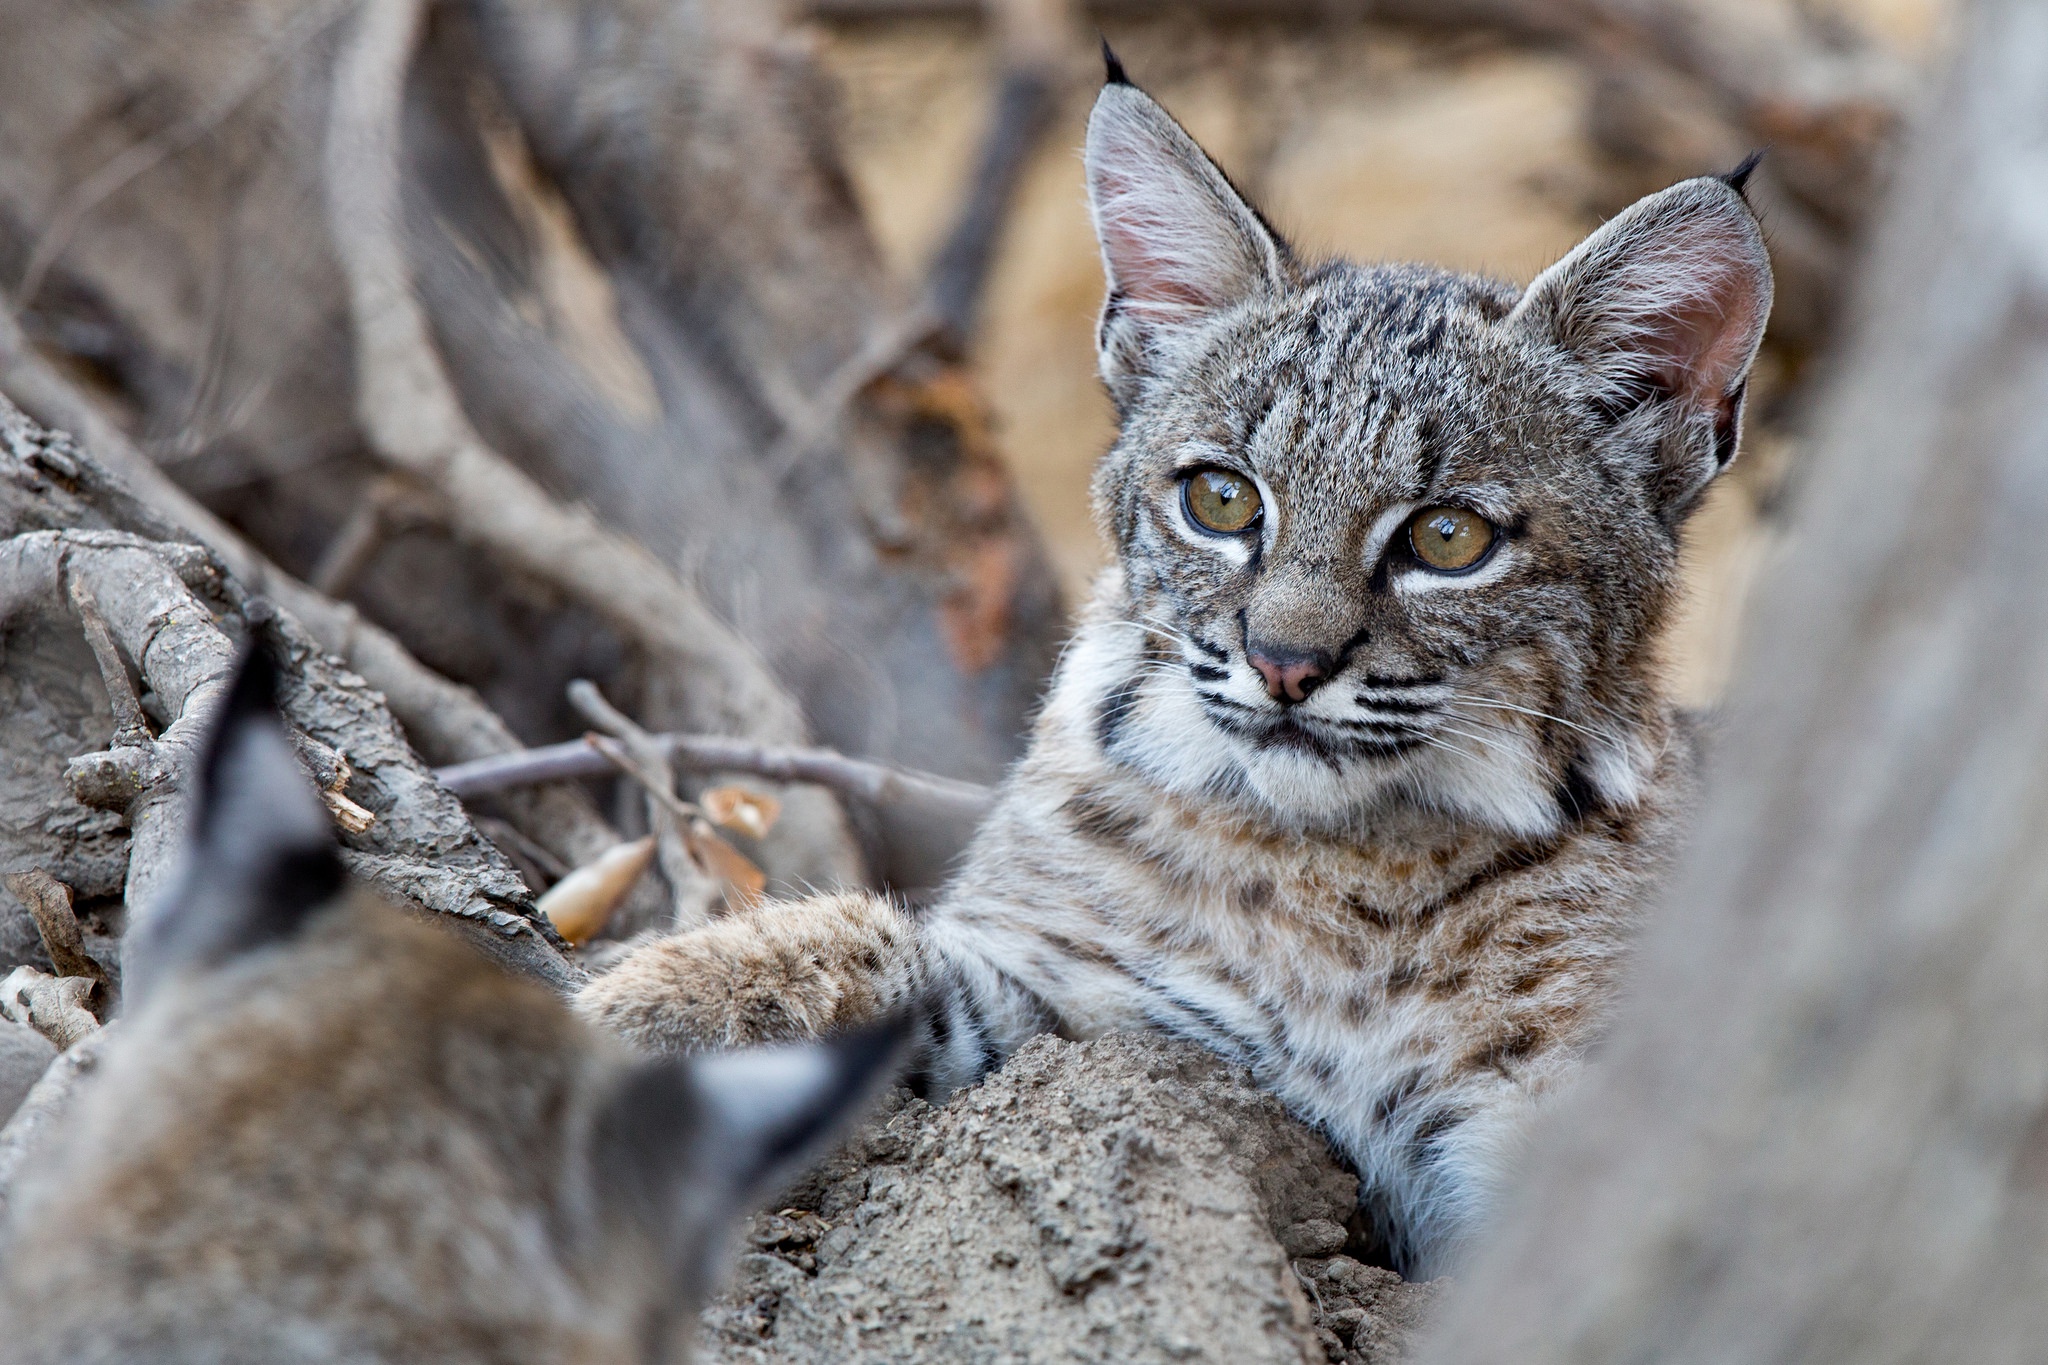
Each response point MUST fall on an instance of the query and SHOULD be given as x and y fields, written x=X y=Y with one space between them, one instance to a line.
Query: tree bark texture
x=102 y=813
x=1820 y=1131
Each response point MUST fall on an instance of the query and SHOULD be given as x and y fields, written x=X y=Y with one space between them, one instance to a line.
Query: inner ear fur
x=1179 y=242
x=1666 y=301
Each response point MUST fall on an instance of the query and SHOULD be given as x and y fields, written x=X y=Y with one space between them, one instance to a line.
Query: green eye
x=1449 y=539
x=1218 y=500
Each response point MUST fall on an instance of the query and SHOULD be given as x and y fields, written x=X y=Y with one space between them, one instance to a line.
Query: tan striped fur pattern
x=1379 y=827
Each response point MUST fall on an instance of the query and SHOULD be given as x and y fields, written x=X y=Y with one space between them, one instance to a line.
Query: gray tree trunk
x=1821 y=1129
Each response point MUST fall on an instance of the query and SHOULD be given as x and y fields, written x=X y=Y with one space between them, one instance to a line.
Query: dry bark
x=1820 y=1131
x=448 y=723
x=176 y=616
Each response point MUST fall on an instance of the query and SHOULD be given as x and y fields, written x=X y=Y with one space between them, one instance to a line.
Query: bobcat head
x=330 y=1131
x=1391 y=534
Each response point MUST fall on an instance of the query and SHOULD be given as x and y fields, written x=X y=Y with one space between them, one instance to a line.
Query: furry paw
x=775 y=973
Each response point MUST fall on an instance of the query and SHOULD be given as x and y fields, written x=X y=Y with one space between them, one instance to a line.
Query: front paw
x=775 y=973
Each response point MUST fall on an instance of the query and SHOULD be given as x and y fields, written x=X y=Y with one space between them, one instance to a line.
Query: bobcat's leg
x=774 y=973
x=801 y=969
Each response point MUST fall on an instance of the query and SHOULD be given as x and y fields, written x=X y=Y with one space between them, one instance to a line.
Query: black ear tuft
x=1113 y=69
x=1738 y=178
x=251 y=700
x=259 y=855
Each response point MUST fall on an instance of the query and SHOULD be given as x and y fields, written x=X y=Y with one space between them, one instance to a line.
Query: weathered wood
x=447 y=722
x=176 y=616
x=1820 y=1131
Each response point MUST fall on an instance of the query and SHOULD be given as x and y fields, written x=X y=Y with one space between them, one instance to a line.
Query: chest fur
x=1416 y=942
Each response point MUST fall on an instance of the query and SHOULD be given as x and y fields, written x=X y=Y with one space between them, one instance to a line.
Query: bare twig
x=388 y=504
x=859 y=777
x=131 y=727
x=925 y=820
x=141 y=157
x=810 y=428
x=693 y=884
x=1032 y=37
x=49 y=903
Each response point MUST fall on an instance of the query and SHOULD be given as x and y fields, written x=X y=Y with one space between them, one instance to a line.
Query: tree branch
x=448 y=722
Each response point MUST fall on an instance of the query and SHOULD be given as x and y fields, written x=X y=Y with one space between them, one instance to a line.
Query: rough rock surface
x=24 y=1056
x=1131 y=1199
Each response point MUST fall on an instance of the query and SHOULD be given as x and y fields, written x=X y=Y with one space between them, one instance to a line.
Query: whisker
x=1475 y=699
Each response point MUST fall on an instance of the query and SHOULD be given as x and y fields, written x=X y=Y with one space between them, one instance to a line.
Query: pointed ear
x=1666 y=304
x=259 y=855
x=1178 y=241
x=688 y=1146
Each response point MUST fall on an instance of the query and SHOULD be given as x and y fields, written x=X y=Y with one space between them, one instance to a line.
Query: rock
x=24 y=1056
x=1315 y=1237
x=1120 y=1200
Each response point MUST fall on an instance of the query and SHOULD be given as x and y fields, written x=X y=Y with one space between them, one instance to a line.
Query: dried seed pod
x=580 y=904
x=746 y=812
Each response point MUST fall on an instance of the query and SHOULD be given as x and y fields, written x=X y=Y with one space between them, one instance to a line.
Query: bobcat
x=331 y=1132
x=1359 y=767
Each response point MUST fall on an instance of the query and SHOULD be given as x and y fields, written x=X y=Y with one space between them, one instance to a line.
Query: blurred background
x=737 y=356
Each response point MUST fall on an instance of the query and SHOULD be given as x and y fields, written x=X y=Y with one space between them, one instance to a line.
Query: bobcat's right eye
x=1220 y=501
x=1450 y=539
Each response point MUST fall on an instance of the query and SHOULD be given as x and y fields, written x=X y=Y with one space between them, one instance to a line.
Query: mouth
x=1330 y=742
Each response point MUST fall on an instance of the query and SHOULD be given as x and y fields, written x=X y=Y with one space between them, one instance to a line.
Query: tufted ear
x=688 y=1145
x=1666 y=304
x=259 y=854
x=1178 y=241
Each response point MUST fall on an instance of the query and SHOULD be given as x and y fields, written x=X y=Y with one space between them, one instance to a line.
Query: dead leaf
x=726 y=863
x=750 y=813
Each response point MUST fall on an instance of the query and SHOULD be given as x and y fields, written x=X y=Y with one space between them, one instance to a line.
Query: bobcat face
x=1396 y=534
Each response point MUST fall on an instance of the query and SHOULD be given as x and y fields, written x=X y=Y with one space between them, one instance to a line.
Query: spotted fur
x=1402 y=897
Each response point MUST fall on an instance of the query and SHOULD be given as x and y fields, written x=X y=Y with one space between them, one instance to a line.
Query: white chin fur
x=1169 y=737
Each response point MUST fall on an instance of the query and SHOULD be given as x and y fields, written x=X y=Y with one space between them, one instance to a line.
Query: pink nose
x=1289 y=677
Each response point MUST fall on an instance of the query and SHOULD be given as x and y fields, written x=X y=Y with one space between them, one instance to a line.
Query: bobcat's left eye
x=1218 y=500
x=1450 y=539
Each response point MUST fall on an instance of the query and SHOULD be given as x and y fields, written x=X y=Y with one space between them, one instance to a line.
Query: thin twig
x=859 y=777
x=887 y=347
x=159 y=147
x=686 y=859
x=49 y=902
x=131 y=726
x=1032 y=36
